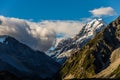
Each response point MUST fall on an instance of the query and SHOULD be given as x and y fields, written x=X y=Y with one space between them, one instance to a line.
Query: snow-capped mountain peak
x=90 y=29
x=68 y=45
x=94 y=24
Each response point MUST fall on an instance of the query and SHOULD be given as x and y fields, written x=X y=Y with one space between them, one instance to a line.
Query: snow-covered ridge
x=62 y=50
x=90 y=29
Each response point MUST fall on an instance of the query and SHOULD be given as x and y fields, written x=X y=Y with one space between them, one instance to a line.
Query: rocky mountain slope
x=113 y=70
x=66 y=47
x=94 y=57
x=23 y=62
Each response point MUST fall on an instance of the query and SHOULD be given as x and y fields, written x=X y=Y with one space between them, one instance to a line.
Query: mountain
x=99 y=58
x=66 y=47
x=23 y=62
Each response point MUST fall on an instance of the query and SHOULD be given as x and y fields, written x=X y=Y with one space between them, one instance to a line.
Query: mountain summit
x=66 y=47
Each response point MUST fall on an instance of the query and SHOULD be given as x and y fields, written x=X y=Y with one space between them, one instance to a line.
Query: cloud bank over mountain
x=67 y=27
x=38 y=35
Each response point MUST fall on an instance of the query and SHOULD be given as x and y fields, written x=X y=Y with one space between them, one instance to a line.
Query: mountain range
x=93 y=53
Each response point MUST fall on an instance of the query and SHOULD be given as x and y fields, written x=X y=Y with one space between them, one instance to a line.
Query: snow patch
x=65 y=54
x=2 y=39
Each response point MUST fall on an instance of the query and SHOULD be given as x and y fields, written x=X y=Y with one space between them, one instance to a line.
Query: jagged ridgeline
x=94 y=57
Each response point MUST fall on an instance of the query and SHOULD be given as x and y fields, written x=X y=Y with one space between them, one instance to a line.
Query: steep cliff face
x=95 y=55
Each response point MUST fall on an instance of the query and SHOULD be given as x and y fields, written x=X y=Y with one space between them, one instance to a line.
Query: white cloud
x=68 y=28
x=103 y=11
x=29 y=33
x=38 y=35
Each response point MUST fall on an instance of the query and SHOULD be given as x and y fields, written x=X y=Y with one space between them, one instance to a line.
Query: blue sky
x=52 y=20
x=55 y=9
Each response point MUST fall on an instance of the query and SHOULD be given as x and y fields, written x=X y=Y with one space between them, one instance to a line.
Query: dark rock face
x=95 y=55
x=113 y=70
x=22 y=61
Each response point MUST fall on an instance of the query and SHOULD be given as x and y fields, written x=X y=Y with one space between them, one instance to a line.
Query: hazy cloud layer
x=39 y=36
x=103 y=11
x=68 y=28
